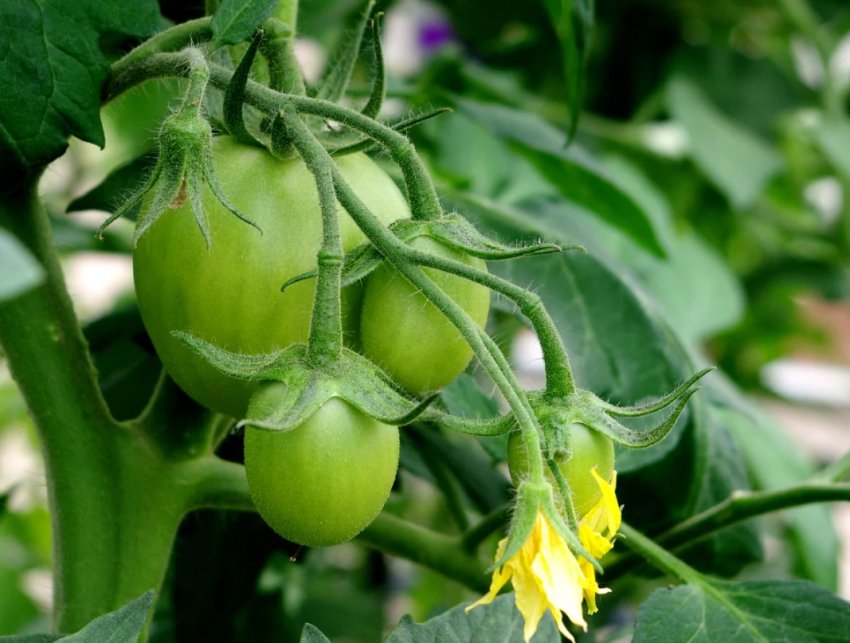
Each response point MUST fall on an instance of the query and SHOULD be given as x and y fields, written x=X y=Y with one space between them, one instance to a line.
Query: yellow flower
x=545 y=575
x=596 y=532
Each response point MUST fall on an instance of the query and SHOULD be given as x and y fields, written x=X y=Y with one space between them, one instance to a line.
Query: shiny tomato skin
x=406 y=335
x=230 y=294
x=589 y=449
x=324 y=481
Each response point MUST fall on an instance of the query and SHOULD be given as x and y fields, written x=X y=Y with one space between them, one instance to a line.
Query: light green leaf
x=19 y=270
x=312 y=634
x=236 y=20
x=52 y=61
x=734 y=159
x=834 y=139
x=573 y=172
x=748 y=612
x=498 y=622
x=124 y=625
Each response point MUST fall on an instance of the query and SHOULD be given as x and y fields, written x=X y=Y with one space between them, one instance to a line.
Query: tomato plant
x=588 y=450
x=230 y=293
x=407 y=336
x=322 y=482
x=644 y=207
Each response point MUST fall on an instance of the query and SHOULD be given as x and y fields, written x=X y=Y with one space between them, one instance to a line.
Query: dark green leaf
x=500 y=621
x=572 y=172
x=19 y=270
x=757 y=612
x=236 y=20
x=734 y=159
x=573 y=20
x=312 y=634
x=52 y=71
x=121 y=626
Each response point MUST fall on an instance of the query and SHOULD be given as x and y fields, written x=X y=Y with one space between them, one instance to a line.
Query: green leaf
x=573 y=20
x=756 y=611
x=498 y=621
x=312 y=634
x=52 y=71
x=121 y=626
x=573 y=172
x=236 y=20
x=834 y=139
x=774 y=461
x=734 y=159
x=338 y=74
x=19 y=270
x=31 y=638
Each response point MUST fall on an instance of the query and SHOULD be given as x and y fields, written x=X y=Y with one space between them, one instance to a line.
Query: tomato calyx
x=304 y=388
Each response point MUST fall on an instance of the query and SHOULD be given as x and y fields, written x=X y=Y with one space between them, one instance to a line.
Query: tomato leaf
x=19 y=270
x=124 y=625
x=734 y=159
x=50 y=54
x=498 y=621
x=312 y=634
x=573 y=21
x=743 y=612
x=338 y=74
x=575 y=175
x=236 y=20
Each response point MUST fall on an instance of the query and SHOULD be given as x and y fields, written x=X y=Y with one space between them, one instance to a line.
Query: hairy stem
x=738 y=507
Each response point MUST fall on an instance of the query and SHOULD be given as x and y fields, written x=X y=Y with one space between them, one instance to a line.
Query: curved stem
x=430 y=549
x=738 y=507
x=423 y=198
x=658 y=556
x=559 y=377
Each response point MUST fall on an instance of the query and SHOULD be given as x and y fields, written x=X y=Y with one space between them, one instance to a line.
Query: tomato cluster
x=325 y=480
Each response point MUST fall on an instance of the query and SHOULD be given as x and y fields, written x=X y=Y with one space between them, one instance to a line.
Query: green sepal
x=335 y=81
x=282 y=145
x=352 y=378
x=184 y=165
x=655 y=405
x=599 y=420
x=472 y=426
x=234 y=94
x=532 y=499
x=379 y=72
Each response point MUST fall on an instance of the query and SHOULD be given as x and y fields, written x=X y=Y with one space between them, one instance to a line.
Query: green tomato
x=230 y=294
x=589 y=449
x=406 y=335
x=324 y=481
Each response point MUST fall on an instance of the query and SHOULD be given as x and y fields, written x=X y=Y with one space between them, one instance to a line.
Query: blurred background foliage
x=708 y=181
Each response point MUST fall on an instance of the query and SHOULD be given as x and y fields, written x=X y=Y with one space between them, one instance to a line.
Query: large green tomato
x=589 y=449
x=230 y=294
x=406 y=335
x=324 y=481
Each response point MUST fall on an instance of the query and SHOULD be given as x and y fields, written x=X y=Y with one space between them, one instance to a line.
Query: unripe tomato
x=589 y=449
x=230 y=294
x=324 y=481
x=406 y=335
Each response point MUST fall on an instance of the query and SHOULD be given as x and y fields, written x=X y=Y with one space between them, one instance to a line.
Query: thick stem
x=325 y=342
x=488 y=525
x=427 y=548
x=657 y=556
x=277 y=48
x=113 y=515
x=738 y=507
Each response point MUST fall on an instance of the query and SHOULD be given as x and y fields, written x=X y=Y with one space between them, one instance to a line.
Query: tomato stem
x=325 y=341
